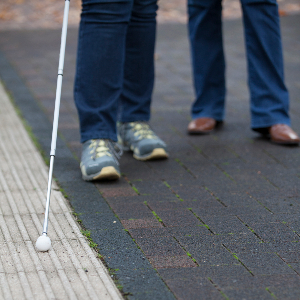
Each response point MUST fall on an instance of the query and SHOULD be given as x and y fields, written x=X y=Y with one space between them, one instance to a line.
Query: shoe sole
x=107 y=173
x=158 y=153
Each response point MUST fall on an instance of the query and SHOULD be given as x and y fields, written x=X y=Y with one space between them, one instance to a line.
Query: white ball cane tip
x=43 y=243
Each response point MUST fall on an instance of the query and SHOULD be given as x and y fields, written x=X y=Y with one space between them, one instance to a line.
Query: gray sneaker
x=139 y=138
x=99 y=160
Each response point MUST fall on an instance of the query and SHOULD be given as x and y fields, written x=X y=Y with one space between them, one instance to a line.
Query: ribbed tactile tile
x=70 y=269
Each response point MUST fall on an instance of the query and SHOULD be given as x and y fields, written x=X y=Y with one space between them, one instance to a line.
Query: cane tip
x=43 y=243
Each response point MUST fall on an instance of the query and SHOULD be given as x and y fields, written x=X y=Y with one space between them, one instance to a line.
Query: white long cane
x=43 y=243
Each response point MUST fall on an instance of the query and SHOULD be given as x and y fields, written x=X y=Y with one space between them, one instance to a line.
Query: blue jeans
x=115 y=65
x=268 y=93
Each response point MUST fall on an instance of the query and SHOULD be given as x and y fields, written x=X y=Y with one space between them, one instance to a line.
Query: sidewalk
x=70 y=269
x=218 y=220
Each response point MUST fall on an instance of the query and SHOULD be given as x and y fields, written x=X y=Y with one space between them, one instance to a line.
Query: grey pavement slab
x=217 y=220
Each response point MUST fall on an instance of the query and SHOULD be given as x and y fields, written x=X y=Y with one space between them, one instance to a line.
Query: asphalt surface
x=220 y=218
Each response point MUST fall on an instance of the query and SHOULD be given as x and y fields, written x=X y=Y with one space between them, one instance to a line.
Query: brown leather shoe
x=202 y=125
x=283 y=134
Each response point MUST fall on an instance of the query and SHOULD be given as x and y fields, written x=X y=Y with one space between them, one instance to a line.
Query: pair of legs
x=114 y=82
x=268 y=94
x=115 y=67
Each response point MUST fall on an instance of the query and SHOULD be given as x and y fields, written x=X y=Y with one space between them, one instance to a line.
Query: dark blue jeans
x=268 y=93
x=115 y=66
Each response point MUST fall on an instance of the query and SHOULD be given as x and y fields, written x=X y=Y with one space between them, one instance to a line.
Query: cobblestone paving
x=220 y=218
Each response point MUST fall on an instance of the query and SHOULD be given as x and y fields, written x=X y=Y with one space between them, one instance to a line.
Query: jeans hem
x=217 y=118
x=135 y=119
x=98 y=135
x=269 y=124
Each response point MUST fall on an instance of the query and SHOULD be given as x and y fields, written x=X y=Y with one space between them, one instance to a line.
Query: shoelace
x=103 y=147
x=142 y=130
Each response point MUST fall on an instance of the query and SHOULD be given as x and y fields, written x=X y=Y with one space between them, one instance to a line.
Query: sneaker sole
x=107 y=173
x=158 y=153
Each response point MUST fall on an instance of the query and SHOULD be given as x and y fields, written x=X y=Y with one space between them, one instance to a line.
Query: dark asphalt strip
x=132 y=269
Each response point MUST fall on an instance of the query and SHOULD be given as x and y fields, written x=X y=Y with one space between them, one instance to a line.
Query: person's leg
x=139 y=62
x=100 y=66
x=133 y=132
x=269 y=96
x=205 y=31
x=99 y=82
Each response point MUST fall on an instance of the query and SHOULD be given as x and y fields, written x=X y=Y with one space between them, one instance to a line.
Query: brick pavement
x=220 y=218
